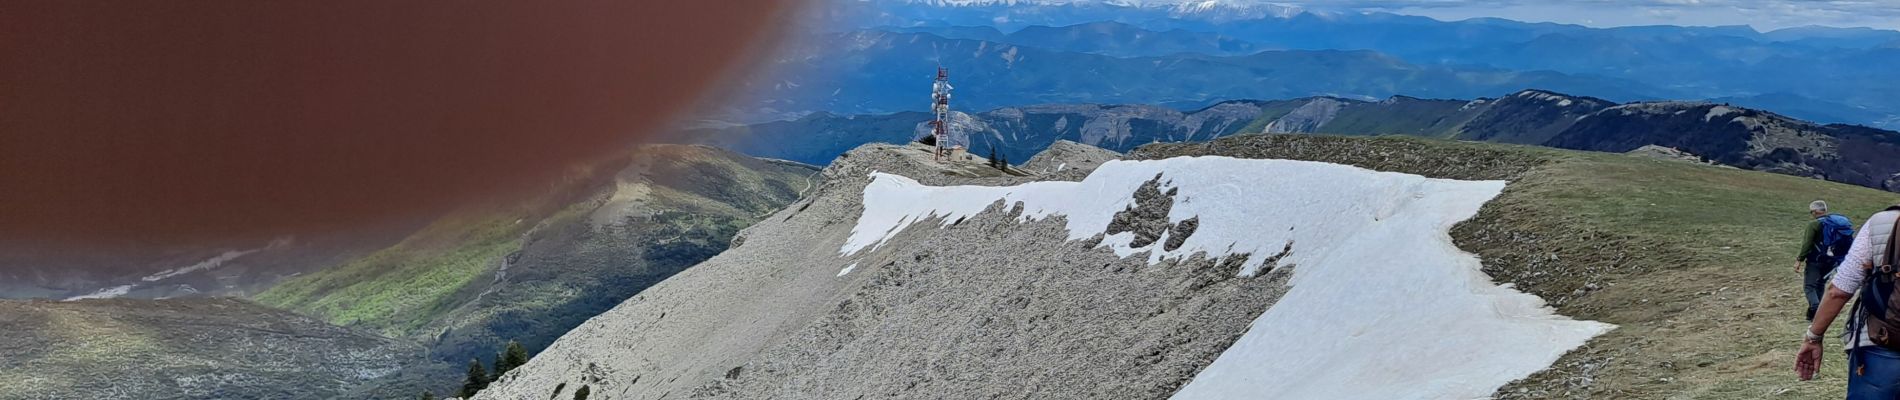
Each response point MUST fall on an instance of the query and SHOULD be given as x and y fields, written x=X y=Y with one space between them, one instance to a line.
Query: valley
x=194 y=349
x=525 y=269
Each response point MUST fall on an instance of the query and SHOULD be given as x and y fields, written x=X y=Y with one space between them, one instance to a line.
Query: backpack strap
x=1893 y=247
x=1879 y=305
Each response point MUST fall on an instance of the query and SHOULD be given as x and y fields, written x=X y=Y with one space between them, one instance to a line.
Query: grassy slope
x=679 y=211
x=594 y=239
x=1417 y=117
x=1706 y=296
x=1693 y=263
x=400 y=289
x=1430 y=118
x=1269 y=112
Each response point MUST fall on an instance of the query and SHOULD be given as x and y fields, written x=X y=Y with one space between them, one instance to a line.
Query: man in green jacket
x=1816 y=260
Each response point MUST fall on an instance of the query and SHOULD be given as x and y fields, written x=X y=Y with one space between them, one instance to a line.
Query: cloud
x=1763 y=14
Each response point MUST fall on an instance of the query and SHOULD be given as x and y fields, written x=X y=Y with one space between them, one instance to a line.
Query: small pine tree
x=511 y=357
x=476 y=381
x=998 y=160
x=427 y=395
x=581 y=394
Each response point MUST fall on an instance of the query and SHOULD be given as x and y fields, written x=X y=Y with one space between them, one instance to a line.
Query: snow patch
x=1235 y=10
x=1382 y=304
x=1717 y=112
x=1473 y=104
x=847 y=269
x=1541 y=96
x=107 y=293
x=216 y=261
x=183 y=290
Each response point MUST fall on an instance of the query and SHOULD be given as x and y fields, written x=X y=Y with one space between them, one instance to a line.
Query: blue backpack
x=1837 y=237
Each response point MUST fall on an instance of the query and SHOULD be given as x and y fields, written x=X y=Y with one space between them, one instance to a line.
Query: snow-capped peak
x=1205 y=9
x=974 y=3
x=1235 y=9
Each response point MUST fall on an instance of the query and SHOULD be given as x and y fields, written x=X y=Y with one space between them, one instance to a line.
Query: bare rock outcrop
x=1064 y=156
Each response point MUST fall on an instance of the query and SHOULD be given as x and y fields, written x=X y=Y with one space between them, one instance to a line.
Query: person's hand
x=1798 y=266
x=1808 y=360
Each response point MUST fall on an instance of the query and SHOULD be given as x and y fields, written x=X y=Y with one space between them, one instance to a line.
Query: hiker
x=1873 y=335
x=1828 y=239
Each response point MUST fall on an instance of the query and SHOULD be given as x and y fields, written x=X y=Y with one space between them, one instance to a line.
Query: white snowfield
x=1382 y=304
x=106 y=293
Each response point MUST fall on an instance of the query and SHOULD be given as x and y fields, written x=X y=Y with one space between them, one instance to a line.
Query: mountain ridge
x=931 y=305
x=1743 y=137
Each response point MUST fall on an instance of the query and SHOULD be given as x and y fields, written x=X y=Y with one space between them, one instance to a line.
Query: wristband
x=1810 y=337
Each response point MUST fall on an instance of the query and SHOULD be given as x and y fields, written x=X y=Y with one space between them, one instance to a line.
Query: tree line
x=511 y=356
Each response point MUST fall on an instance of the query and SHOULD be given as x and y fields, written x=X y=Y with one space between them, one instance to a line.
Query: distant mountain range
x=1296 y=26
x=868 y=58
x=877 y=71
x=1722 y=133
x=1105 y=38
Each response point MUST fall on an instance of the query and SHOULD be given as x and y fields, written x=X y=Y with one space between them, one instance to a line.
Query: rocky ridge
x=976 y=302
x=777 y=317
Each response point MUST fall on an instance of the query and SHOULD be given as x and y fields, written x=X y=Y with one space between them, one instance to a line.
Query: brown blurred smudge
x=175 y=121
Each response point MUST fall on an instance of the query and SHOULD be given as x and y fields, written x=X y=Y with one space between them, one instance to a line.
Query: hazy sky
x=1762 y=14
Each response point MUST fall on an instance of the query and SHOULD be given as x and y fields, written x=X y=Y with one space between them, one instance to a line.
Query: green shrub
x=476 y=381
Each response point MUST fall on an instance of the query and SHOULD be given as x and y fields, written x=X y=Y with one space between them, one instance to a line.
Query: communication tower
x=940 y=127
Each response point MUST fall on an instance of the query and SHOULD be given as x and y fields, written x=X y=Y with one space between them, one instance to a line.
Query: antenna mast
x=940 y=96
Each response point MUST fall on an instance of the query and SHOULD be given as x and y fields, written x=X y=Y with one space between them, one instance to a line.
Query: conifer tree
x=998 y=160
x=511 y=357
x=476 y=381
x=581 y=394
